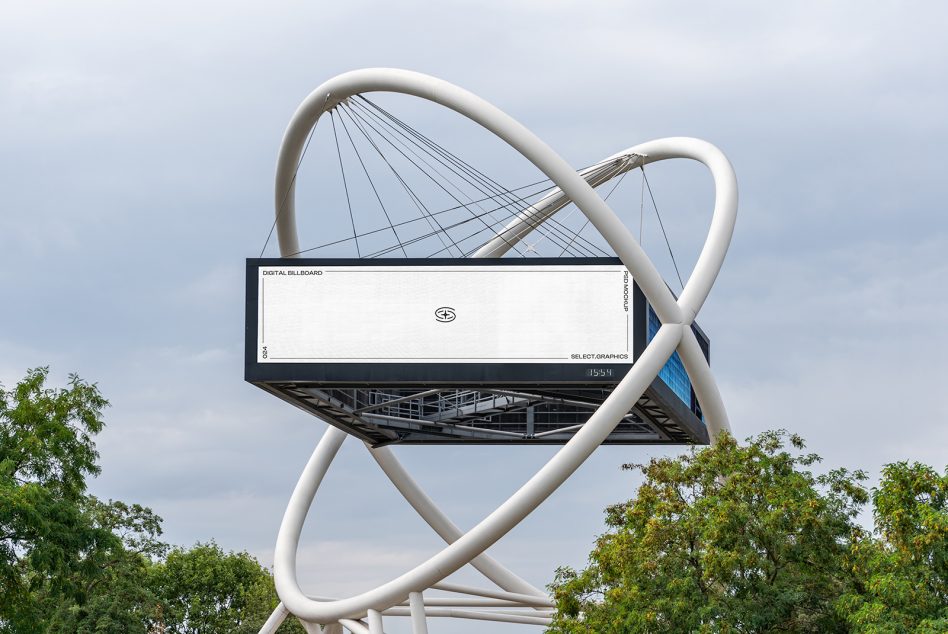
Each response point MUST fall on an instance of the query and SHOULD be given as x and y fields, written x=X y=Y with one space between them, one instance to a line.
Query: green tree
x=70 y=563
x=902 y=572
x=46 y=453
x=732 y=538
x=117 y=599
x=203 y=590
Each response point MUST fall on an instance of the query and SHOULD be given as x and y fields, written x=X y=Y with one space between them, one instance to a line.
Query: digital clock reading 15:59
x=600 y=373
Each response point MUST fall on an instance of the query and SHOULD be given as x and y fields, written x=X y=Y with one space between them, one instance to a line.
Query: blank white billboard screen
x=444 y=314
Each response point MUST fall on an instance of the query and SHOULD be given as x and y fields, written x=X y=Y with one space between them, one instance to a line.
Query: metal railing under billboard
x=475 y=347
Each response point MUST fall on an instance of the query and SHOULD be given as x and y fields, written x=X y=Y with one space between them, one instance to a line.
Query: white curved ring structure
x=402 y=595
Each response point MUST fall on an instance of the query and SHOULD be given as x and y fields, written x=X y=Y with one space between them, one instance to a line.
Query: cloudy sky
x=137 y=145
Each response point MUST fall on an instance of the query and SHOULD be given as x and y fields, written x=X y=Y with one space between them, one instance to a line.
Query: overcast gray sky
x=137 y=145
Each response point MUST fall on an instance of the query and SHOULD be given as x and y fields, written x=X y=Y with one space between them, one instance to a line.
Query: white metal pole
x=419 y=624
x=312 y=628
x=276 y=619
x=354 y=626
x=375 y=622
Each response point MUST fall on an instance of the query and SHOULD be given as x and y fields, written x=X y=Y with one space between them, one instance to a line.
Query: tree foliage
x=902 y=572
x=116 y=597
x=46 y=453
x=204 y=589
x=732 y=538
x=745 y=538
x=70 y=563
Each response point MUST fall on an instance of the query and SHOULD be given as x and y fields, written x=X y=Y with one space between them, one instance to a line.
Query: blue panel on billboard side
x=673 y=373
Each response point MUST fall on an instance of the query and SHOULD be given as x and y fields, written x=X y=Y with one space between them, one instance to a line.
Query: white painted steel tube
x=723 y=216
x=354 y=626
x=488 y=116
x=538 y=603
x=276 y=619
x=312 y=628
x=375 y=622
x=561 y=430
x=706 y=389
x=525 y=599
x=676 y=317
x=284 y=556
x=723 y=220
x=569 y=182
x=550 y=203
x=419 y=624
x=449 y=602
x=489 y=530
x=497 y=617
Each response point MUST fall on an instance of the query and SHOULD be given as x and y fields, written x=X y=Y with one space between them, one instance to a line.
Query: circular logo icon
x=445 y=314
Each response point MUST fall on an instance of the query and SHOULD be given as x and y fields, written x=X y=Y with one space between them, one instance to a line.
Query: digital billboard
x=419 y=322
x=449 y=350
x=438 y=313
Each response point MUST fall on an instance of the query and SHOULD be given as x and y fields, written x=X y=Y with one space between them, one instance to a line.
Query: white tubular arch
x=709 y=262
x=676 y=317
x=489 y=117
x=551 y=202
x=722 y=220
